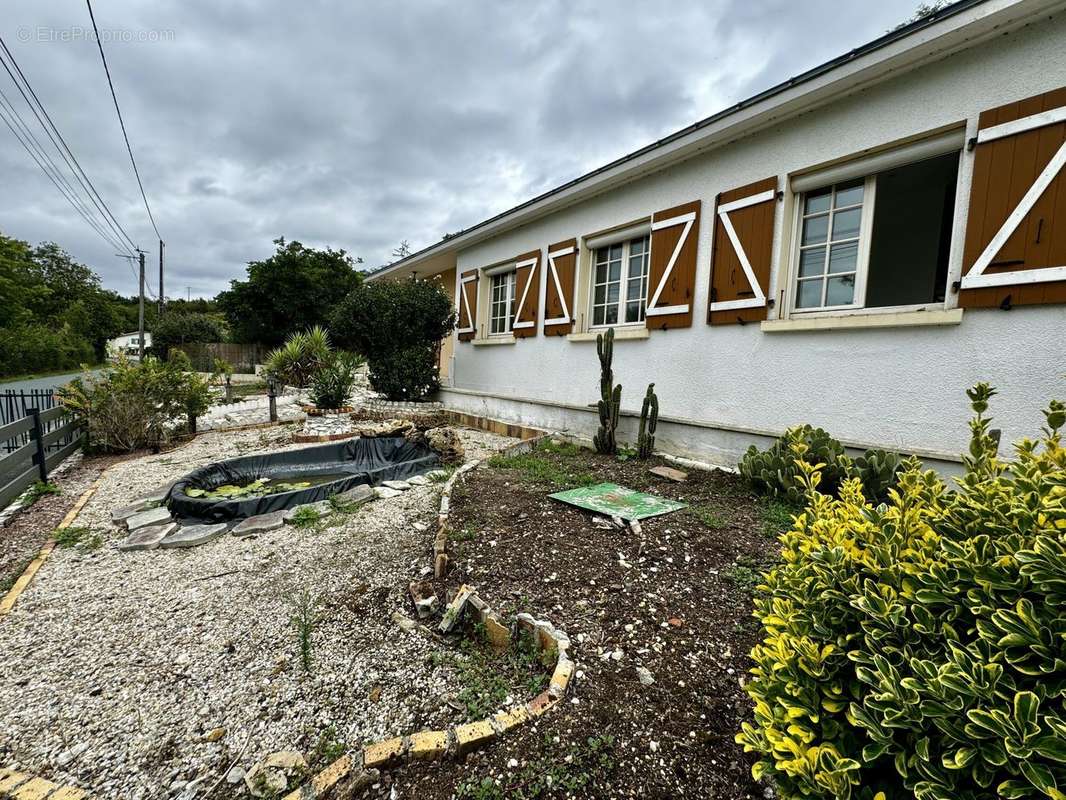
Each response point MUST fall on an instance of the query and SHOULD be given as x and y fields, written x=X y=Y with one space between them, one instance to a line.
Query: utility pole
x=161 y=296
x=140 y=313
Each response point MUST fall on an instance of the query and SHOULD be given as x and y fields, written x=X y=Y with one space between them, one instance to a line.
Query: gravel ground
x=117 y=665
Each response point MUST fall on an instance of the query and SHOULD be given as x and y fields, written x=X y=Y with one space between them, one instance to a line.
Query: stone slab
x=153 y=516
x=323 y=507
x=384 y=492
x=357 y=494
x=261 y=523
x=418 y=480
x=120 y=515
x=671 y=474
x=193 y=535
x=401 y=486
x=147 y=538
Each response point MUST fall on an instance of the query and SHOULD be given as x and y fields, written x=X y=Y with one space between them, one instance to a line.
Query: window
x=501 y=308
x=879 y=241
x=619 y=296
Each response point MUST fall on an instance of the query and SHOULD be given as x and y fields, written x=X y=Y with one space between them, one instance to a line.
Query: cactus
x=610 y=397
x=649 y=421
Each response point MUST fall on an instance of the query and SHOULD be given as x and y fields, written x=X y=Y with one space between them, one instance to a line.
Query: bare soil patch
x=674 y=602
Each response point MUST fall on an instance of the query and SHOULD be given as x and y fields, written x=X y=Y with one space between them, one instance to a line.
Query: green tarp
x=613 y=500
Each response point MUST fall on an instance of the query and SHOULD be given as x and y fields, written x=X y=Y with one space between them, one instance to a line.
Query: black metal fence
x=15 y=404
x=47 y=438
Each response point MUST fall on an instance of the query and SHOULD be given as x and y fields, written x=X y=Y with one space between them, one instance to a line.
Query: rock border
x=21 y=786
x=23 y=581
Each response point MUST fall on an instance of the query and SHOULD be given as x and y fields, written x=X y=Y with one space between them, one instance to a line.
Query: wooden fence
x=41 y=431
x=243 y=357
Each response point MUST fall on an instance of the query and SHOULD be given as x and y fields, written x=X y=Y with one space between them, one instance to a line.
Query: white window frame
x=623 y=289
x=510 y=275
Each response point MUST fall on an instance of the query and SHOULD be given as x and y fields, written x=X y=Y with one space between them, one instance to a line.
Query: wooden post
x=38 y=436
x=272 y=396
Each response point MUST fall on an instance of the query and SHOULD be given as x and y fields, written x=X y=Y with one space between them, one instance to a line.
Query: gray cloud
x=356 y=125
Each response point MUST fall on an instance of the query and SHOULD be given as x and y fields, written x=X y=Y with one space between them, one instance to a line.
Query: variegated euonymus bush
x=918 y=648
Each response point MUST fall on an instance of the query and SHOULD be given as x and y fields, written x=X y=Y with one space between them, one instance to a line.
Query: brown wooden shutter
x=742 y=253
x=559 y=288
x=527 y=294
x=672 y=266
x=467 y=305
x=1015 y=250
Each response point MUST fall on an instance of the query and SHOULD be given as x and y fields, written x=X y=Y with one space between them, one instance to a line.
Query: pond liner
x=362 y=461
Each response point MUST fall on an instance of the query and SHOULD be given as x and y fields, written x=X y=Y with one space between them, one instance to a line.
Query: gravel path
x=116 y=666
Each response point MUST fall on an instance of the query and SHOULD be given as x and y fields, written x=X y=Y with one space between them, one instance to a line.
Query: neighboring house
x=128 y=344
x=852 y=248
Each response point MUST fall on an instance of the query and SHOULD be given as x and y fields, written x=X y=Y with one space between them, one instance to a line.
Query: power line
x=65 y=151
x=114 y=97
x=24 y=136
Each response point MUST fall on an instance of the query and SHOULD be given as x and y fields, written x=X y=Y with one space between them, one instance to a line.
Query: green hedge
x=918 y=649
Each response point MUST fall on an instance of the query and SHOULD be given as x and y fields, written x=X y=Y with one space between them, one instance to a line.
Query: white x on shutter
x=687 y=220
x=464 y=304
x=531 y=263
x=976 y=278
x=723 y=216
x=553 y=273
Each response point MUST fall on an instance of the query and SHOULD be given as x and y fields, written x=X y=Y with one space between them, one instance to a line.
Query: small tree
x=397 y=325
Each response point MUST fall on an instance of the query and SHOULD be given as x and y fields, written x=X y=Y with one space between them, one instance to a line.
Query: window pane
x=809 y=294
x=815 y=229
x=616 y=270
x=601 y=255
x=633 y=311
x=597 y=315
x=846 y=224
x=616 y=252
x=636 y=247
x=849 y=194
x=817 y=201
x=612 y=292
x=636 y=265
x=840 y=291
x=612 y=314
x=812 y=262
x=844 y=257
x=601 y=273
x=601 y=295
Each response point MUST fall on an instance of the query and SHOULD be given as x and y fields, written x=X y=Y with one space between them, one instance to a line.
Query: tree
x=175 y=329
x=295 y=289
x=397 y=325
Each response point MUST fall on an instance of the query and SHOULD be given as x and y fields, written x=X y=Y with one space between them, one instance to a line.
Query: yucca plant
x=918 y=649
x=303 y=354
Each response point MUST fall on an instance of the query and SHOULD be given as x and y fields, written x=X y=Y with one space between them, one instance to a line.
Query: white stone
x=153 y=516
x=645 y=676
x=402 y=486
x=384 y=492
x=193 y=535
x=147 y=538
x=418 y=480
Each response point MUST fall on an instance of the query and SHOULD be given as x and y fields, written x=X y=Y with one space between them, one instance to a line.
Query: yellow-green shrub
x=918 y=648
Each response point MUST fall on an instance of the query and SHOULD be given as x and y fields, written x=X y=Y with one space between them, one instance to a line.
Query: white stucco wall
x=899 y=388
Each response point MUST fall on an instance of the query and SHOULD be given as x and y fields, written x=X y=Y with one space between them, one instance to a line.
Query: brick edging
x=23 y=581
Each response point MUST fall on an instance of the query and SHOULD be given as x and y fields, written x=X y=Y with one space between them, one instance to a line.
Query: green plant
x=744 y=573
x=649 y=421
x=37 y=490
x=303 y=618
x=332 y=384
x=306 y=517
x=708 y=516
x=914 y=649
x=174 y=330
x=625 y=453
x=8 y=581
x=776 y=470
x=260 y=487
x=297 y=361
x=776 y=514
x=536 y=467
x=78 y=536
x=878 y=470
x=610 y=397
x=398 y=326
x=328 y=748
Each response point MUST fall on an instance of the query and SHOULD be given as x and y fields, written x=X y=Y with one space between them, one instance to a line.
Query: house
x=128 y=344
x=852 y=248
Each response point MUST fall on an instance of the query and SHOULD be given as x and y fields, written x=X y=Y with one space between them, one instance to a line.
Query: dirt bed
x=671 y=606
x=144 y=675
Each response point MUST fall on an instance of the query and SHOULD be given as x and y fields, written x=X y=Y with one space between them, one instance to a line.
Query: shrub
x=332 y=385
x=131 y=405
x=777 y=470
x=26 y=349
x=303 y=354
x=916 y=649
x=397 y=326
x=175 y=329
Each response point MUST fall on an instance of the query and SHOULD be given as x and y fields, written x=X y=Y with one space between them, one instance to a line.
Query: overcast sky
x=356 y=125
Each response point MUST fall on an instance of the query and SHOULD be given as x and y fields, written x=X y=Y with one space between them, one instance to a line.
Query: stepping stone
x=323 y=507
x=159 y=494
x=401 y=486
x=418 y=480
x=120 y=515
x=193 y=535
x=261 y=523
x=153 y=516
x=671 y=474
x=147 y=538
x=357 y=494
x=384 y=492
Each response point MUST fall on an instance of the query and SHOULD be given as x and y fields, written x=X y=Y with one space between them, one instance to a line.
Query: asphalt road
x=40 y=383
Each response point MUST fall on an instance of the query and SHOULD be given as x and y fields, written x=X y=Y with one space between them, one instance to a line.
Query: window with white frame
x=620 y=283
x=879 y=241
x=501 y=303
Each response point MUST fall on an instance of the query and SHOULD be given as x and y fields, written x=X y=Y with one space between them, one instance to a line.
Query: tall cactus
x=610 y=397
x=649 y=421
